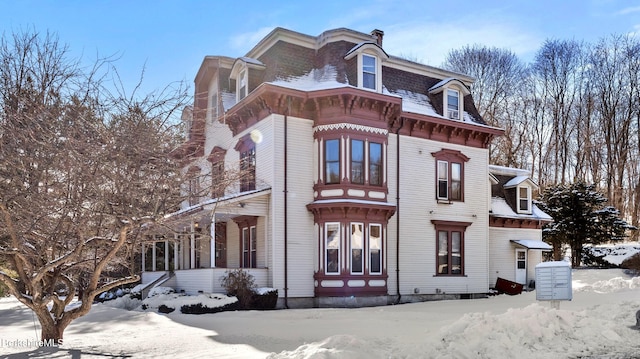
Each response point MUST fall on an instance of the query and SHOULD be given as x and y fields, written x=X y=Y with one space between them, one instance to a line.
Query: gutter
x=286 y=229
x=398 y=210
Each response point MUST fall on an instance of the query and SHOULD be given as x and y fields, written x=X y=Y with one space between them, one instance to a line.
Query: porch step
x=156 y=283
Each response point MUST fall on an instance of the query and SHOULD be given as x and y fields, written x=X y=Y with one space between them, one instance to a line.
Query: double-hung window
x=332 y=248
x=449 y=181
x=450 y=247
x=524 y=199
x=194 y=185
x=450 y=175
x=248 y=169
x=375 y=164
x=366 y=166
x=375 y=249
x=357 y=248
x=453 y=104
x=369 y=72
x=242 y=84
x=249 y=247
x=357 y=161
x=332 y=161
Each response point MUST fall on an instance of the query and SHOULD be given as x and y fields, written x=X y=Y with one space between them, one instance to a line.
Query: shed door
x=521 y=266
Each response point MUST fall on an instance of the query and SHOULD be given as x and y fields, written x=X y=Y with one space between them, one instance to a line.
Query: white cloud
x=629 y=10
x=246 y=41
x=430 y=42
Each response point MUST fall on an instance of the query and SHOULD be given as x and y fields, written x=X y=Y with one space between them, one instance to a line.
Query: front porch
x=195 y=248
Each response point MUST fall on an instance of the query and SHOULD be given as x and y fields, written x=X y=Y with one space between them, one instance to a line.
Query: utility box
x=553 y=281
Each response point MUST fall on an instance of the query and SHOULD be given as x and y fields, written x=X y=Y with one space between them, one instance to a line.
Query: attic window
x=369 y=61
x=524 y=199
x=241 y=85
x=453 y=104
x=369 y=72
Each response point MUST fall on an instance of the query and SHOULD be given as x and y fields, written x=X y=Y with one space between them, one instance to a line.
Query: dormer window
x=369 y=61
x=452 y=92
x=524 y=199
x=241 y=85
x=240 y=73
x=453 y=104
x=369 y=72
x=213 y=105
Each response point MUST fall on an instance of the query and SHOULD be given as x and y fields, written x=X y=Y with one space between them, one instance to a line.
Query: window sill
x=450 y=275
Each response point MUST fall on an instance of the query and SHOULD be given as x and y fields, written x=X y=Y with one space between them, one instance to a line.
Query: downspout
x=286 y=230
x=398 y=210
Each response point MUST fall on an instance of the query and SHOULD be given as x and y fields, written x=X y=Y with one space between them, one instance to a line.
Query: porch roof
x=229 y=206
x=532 y=244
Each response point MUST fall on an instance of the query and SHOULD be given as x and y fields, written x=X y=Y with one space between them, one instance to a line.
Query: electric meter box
x=553 y=281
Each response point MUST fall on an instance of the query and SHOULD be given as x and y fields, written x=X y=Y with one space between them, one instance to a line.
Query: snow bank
x=612 y=285
x=125 y=302
x=166 y=296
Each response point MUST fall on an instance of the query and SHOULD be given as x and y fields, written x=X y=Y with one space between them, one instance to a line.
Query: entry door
x=521 y=266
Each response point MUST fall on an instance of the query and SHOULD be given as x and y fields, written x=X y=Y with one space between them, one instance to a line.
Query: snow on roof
x=500 y=208
x=515 y=181
x=249 y=60
x=228 y=99
x=199 y=206
x=355 y=48
x=532 y=244
x=509 y=171
x=441 y=83
x=316 y=79
x=419 y=103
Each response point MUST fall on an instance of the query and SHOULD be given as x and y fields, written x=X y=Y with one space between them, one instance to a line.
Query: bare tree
x=498 y=74
x=82 y=171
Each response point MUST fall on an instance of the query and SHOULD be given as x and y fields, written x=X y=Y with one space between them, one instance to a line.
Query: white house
x=365 y=179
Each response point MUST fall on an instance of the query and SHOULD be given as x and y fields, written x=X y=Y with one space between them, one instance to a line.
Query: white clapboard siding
x=301 y=237
x=503 y=256
x=418 y=207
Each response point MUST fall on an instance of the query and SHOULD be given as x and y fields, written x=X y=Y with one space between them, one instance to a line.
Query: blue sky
x=170 y=38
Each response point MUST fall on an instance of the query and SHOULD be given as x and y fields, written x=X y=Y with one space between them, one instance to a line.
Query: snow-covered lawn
x=598 y=323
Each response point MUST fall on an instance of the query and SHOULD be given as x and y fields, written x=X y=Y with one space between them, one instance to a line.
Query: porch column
x=153 y=256
x=176 y=245
x=192 y=247
x=212 y=245
x=166 y=255
x=144 y=265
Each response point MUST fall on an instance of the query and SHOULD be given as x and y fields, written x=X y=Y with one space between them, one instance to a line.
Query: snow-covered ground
x=598 y=323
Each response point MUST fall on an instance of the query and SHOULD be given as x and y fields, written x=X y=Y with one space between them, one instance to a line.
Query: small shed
x=553 y=281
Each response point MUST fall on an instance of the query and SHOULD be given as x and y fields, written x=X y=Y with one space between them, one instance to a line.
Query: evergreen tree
x=580 y=217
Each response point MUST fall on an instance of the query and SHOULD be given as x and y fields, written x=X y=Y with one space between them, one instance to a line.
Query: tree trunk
x=557 y=251
x=52 y=332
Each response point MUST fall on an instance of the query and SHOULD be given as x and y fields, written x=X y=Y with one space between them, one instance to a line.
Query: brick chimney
x=378 y=34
